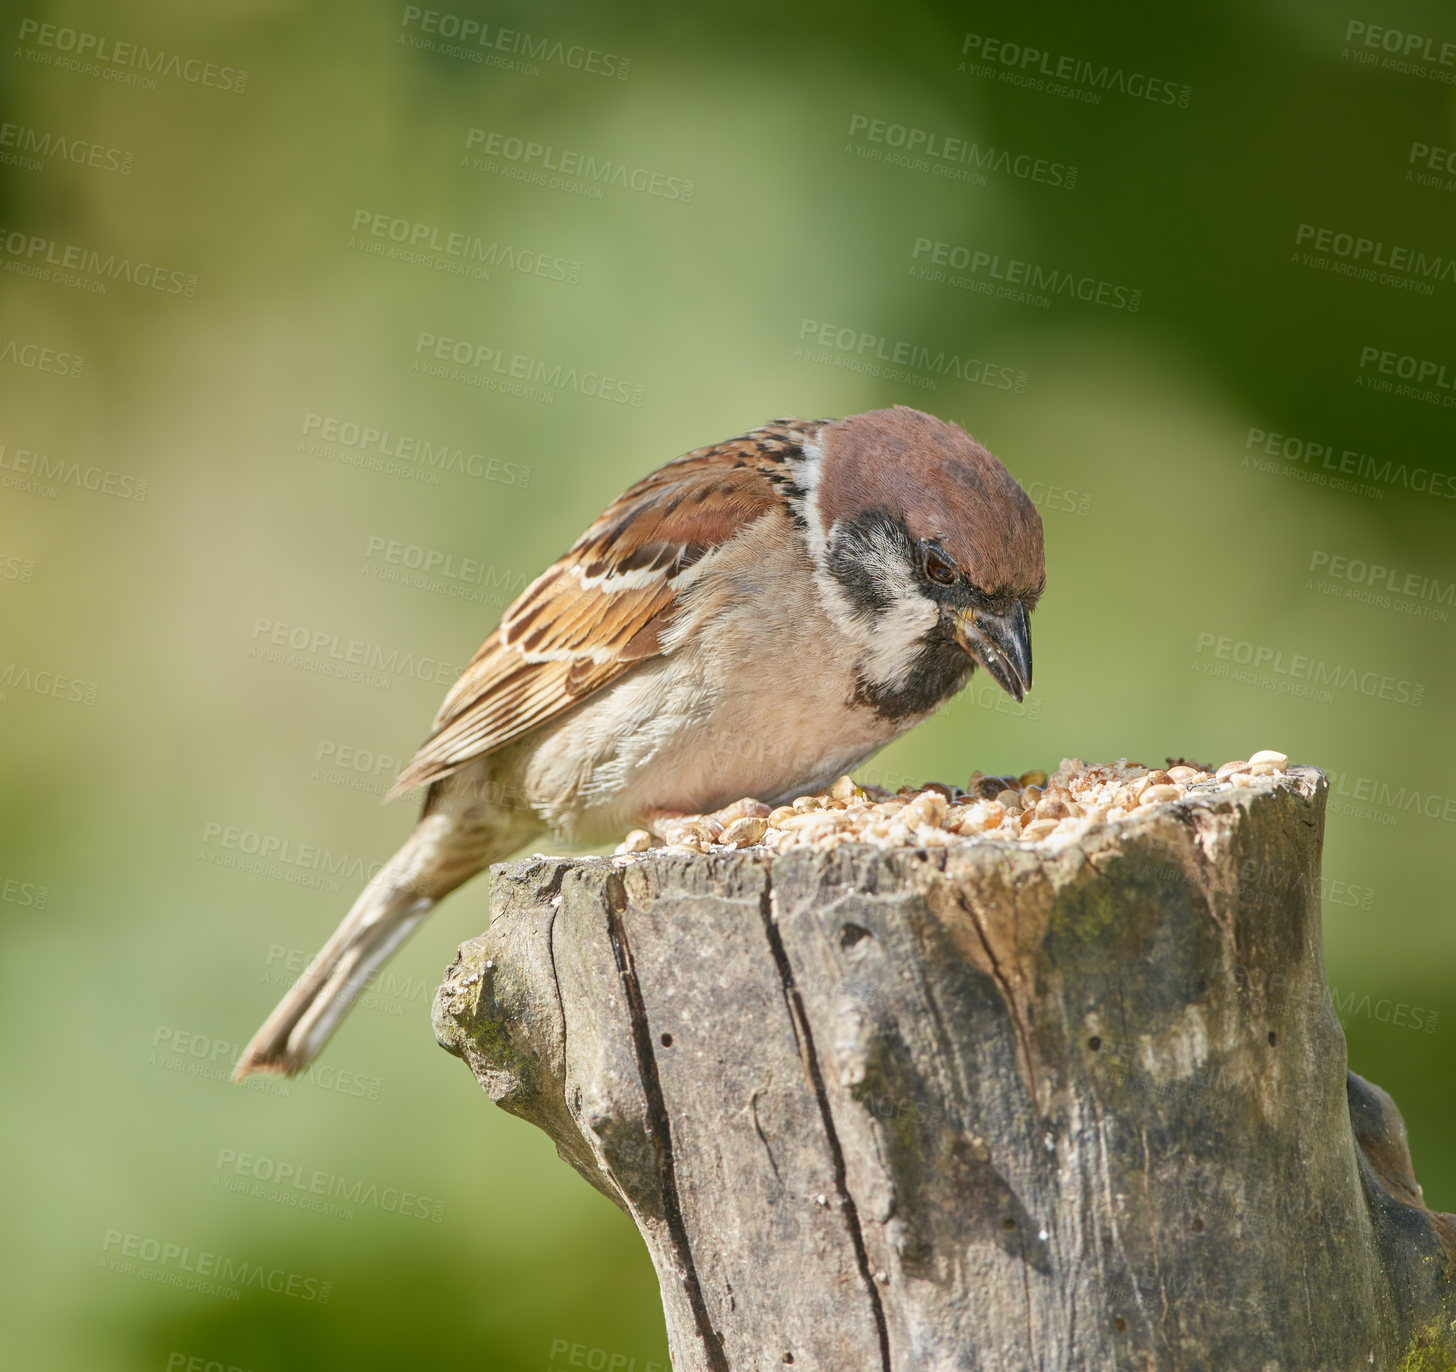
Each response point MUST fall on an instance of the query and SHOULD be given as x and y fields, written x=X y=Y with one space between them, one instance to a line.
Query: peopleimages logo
x=1373 y=259
x=1041 y=284
x=296 y=1184
x=1304 y=454
x=947 y=155
x=201 y=1055
x=70 y=264
x=94 y=54
x=1372 y=798
x=570 y=165
x=37 y=358
x=1378 y=253
x=1384 y=1010
x=1379 y=584
x=494 y=368
x=331 y=649
x=898 y=359
x=315 y=863
x=175 y=1264
x=1424 y=371
x=1411 y=54
x=1431 y=159
x=455 y=252
x=35 y=145
x=476 y=41
x=27 y=894
x=1262 y=664
x=31 y=470
x=1062 y=74
x=1405 y=375
x=432 y=569
x=359 y=443
x=46 y=682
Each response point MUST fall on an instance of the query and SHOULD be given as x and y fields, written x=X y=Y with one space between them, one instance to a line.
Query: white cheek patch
x=895 y=634
x=885 y=561
x=888 y=642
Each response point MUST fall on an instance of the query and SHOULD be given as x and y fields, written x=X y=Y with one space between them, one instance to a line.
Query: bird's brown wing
x=604 y=607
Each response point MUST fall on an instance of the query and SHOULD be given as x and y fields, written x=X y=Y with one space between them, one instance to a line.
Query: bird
x=755 y=618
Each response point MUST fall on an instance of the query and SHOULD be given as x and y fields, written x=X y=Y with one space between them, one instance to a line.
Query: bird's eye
x=938 y=567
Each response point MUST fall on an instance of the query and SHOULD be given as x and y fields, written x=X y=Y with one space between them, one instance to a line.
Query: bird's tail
x=457 y=836
x=292 y=1036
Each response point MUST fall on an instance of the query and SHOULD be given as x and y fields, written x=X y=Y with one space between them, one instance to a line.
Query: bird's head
x=927 y=552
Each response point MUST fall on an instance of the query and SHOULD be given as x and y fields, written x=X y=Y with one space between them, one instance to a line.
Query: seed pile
x=1030 y=808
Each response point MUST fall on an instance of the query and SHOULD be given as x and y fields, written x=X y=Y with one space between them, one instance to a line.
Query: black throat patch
x=940 y=669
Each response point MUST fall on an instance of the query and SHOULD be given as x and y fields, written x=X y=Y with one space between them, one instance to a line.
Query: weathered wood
x=984 y=1107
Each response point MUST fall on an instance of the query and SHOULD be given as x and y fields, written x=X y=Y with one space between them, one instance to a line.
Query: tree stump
x=989 y=1106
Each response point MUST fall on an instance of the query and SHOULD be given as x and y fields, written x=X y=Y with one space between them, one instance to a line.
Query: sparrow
x=755 y=618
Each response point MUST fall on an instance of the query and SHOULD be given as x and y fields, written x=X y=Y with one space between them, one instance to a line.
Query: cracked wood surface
x=983 y=1107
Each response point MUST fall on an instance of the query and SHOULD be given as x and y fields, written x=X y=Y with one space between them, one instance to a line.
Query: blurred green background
x=152 y=733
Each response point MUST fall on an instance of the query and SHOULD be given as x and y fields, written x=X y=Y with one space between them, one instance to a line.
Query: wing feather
x=603 y=607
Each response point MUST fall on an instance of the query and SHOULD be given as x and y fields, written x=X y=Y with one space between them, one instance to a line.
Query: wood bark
x=980 y=1107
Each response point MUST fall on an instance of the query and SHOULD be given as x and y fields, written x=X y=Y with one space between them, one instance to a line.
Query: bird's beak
x=1001 y=644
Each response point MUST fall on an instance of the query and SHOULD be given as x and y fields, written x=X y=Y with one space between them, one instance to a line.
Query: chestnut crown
x=949 y=494
x=930 y=553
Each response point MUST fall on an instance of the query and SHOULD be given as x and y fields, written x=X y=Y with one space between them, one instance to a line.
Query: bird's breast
x=759 y=696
